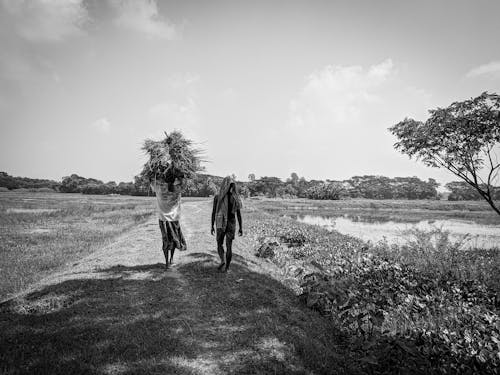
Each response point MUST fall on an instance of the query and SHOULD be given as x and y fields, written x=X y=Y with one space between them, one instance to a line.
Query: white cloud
x=47 y=20
x=337 y=95
x=343 y=113
x=490 y=69
x=175 y=115
x=143 y=16
x=102 y=125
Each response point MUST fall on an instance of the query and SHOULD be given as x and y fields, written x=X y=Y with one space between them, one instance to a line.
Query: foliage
x=427 y=306
x=202 y=186
x=463 y=138
x=11 y=182
x=267 y=186
x=460 y=190
x=173 y=156
x=380 y=187
x=75 y=183
x=371 y=187
x=326 y=190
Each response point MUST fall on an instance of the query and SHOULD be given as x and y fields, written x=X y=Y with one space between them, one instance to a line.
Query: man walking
x=226 y=208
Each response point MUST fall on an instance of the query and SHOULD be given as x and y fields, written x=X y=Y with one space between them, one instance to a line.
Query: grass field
x=41 y=232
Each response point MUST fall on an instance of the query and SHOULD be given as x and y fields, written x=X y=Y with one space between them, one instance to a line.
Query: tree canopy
x=463 y=138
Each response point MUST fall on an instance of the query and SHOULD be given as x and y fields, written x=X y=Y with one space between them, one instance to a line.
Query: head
x=226 y=186
x=232 y=188
x=229 y=185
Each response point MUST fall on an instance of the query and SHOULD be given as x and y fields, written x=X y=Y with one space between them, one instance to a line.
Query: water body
x=368 y=229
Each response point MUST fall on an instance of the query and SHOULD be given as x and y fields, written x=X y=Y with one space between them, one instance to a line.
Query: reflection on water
x=485 y=236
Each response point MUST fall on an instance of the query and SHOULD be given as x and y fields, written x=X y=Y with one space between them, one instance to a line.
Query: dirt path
x=118 y=311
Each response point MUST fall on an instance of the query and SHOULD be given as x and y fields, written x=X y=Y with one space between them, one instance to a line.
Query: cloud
x=174 y=114
x=47 y=20
x=337 y=95
x=490 y=69
x=102 y=125
x=143 y=16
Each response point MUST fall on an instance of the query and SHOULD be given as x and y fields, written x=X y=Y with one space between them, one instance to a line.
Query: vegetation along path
x=118 y=311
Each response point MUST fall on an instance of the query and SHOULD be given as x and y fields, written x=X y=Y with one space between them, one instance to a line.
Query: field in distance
x=42 y=232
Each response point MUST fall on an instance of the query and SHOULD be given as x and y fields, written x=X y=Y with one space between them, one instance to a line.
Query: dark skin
x=225 y=261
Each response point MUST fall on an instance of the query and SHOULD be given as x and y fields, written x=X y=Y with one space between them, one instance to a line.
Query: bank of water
x=477 y=235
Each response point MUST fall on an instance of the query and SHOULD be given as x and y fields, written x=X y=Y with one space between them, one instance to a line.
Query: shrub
x=425 y=307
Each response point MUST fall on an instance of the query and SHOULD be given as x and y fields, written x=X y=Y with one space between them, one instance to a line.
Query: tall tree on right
x=463 y=138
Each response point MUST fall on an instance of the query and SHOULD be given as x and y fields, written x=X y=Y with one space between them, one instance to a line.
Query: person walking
x=226 y=208
x=168 y=203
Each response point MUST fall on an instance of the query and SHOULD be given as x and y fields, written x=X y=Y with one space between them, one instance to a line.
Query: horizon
x=264 y=87
x=440 y=188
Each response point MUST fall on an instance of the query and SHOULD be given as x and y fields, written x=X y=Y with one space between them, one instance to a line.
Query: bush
x=425 y=307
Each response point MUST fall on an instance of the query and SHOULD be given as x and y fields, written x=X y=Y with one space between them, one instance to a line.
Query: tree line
x=371 y=187
x=204 y=185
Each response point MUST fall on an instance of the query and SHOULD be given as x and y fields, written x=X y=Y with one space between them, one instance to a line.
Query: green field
x=42 y=232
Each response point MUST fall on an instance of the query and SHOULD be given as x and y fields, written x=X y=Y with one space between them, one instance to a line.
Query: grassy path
x=118 y=311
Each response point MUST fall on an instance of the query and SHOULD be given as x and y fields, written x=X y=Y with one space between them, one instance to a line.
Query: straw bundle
x=174 y=156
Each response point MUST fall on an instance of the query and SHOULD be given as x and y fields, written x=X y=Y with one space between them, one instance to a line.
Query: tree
x=326 y=190
x=268 y=185
x=463 y=138
x=141 y=185
x=251 y=177
x=244 y=191
x=460 y=191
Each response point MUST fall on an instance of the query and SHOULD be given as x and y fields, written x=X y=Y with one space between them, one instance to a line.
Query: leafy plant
x=425 y=307
x=463 y=138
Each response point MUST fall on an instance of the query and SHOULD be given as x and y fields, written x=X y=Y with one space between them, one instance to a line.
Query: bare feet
x=221 y=265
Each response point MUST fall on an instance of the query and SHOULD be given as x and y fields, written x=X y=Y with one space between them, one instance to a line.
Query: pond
x=369 y=229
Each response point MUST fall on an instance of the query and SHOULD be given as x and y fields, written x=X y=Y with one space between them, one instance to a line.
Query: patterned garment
x=222 y=203
x=172 y=236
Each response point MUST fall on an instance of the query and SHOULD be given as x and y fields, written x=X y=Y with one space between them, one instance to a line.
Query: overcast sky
x=266 y=87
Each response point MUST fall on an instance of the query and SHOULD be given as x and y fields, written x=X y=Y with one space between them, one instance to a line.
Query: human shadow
x=144 y=320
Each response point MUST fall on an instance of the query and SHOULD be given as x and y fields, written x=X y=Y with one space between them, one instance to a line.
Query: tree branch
x=492 y=166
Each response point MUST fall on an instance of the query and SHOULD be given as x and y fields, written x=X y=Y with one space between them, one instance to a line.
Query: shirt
x=230 y=204
x=168 y=203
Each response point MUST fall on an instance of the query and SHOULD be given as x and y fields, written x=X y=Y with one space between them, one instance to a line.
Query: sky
x=264 y=87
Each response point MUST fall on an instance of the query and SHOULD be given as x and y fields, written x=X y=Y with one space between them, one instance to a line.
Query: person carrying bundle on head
x=226 y=207
x=168 y=203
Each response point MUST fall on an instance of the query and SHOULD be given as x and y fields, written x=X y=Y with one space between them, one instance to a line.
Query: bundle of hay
x=174 y=156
